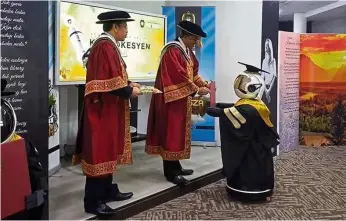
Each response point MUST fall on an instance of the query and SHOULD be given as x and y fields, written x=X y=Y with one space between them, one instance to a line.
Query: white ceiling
x=288 y=8
x=331 y=14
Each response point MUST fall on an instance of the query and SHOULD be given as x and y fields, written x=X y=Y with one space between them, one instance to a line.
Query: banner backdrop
x=289 y=61
x=323 y=89
x=78 y=29
x=269 y=56
x=53 y=118
x=203 y=126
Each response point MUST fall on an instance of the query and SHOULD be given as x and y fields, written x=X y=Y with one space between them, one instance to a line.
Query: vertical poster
x=53 y=97
x=323 y=89
x=289 y=61
x=269 y=57
x=203 y=126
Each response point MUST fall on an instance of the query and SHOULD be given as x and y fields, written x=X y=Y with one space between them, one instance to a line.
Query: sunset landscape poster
x=322 y=89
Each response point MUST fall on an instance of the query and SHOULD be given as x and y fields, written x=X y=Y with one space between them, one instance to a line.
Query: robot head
x=8 y=119
x=249 y=84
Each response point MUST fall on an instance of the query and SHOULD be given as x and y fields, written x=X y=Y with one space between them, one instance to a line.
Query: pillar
x=299 y=23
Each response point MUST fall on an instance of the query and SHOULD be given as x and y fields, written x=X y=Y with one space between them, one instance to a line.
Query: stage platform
x=144 y=178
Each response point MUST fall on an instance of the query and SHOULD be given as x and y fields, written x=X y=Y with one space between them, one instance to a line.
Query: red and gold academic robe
x=169 y=121
x=103 y=138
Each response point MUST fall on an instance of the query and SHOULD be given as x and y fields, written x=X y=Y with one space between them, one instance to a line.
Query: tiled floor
x=143 y=178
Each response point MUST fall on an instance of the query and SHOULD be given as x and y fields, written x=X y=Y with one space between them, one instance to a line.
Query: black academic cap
x=192 y=28
x=112 y=16
x=3 y=87
x=253 y=69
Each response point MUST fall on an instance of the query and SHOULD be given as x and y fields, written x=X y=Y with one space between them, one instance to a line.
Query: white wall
x=238 y=38
x=144 y=6
x=330 y=26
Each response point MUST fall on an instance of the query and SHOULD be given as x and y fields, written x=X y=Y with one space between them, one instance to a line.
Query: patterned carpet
x=310 y=184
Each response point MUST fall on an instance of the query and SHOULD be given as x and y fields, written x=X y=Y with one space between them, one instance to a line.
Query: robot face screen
x=247 y=86
x=254 y=87
x=240 y=83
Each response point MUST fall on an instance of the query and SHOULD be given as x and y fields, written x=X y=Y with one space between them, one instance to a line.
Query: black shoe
x=186 y=172
x=119 y=197
x=178 y=180
x=99 y=209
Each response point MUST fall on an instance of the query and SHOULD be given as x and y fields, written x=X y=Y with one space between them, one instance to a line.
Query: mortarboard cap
x=112 y=16
x=253 y=69
x=3 y=87
x=192 y=28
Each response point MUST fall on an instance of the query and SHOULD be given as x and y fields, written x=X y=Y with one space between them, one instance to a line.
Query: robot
x=247 y=137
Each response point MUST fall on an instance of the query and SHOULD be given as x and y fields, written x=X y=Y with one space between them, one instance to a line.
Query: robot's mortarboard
x=252 y=69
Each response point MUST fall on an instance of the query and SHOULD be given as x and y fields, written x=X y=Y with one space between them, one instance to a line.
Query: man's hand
x=203 y=91
x=208 y=84
x=135 y=92
x=132 y=84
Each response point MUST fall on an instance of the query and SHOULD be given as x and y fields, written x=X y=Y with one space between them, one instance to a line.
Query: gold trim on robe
x=199 y=81
x=109 y=167
x=185 y=154
x=108 y=85
x=114 y=83
x=100 y=169
x=104 y=85
x=126 y=157
x=231 y=118
x=184 y=89
x=238 y=115
x=261 y=108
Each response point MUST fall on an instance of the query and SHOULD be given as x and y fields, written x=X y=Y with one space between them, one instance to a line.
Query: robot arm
x=224 y=105
x=217 y=111
x=214 y=111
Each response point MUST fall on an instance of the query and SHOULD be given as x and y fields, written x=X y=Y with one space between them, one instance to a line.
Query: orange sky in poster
x=323 y=58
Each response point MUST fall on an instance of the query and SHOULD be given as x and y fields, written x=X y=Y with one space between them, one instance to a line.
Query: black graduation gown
x=246 y=152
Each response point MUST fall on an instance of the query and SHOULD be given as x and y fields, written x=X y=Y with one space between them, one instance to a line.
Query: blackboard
x=24 y=64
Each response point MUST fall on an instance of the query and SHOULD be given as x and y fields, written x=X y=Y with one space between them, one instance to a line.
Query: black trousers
x=98 y=189
x=171 y=168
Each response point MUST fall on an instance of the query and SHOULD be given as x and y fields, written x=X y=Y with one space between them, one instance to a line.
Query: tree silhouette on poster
x=339 y=124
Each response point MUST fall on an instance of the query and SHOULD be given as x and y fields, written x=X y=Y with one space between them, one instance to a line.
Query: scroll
x=149 y=90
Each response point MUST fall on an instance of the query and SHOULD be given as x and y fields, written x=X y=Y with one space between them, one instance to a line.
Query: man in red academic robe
x=169 y=122
x=103 y=139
